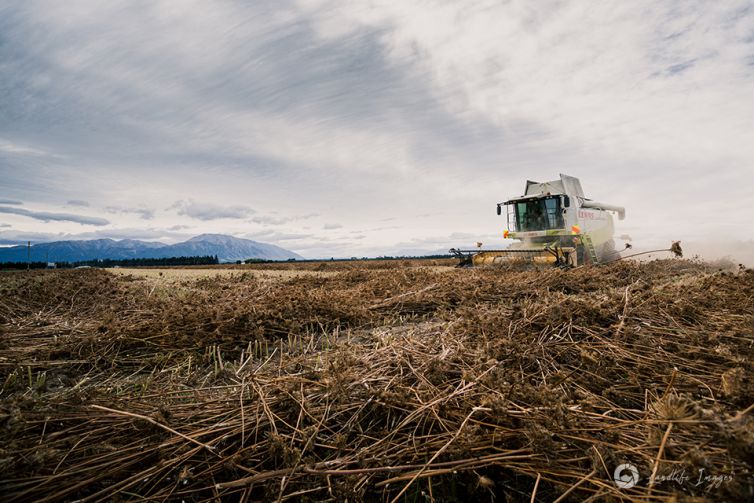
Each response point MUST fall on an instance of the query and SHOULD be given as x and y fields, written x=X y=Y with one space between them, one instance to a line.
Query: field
x=380 y=381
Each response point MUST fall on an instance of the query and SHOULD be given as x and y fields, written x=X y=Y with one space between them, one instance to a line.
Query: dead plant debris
x=400 y=383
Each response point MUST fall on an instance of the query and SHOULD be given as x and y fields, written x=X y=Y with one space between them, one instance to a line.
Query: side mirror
x=499 y=211
x=566 y=201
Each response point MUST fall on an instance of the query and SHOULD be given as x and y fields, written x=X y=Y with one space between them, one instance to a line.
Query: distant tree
x=142 y=262
x=23 y=265
x=257 y=261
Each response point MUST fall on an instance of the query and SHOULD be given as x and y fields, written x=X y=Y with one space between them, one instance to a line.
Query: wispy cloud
x=21 y=238
x=10 y=201
x=143 y=213
x=274 y=236
x=329 y=227
x=270 y=220
x=148 y=234
x=77 y=202
x=46 y=216
x=280 y=220
x=13 y=148
x=209 y=211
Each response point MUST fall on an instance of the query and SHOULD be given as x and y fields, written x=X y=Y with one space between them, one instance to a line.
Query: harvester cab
x=553 y=224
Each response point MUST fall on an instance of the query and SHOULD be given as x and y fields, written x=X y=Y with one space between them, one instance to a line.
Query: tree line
x=352 y=259
x=129 y=262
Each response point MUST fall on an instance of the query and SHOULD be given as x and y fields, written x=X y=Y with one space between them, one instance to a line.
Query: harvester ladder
x=587 y=240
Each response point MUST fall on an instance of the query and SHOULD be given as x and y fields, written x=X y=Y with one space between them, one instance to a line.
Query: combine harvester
x=555 y=225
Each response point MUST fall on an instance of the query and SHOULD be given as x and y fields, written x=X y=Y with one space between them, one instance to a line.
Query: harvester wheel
x=465 y=262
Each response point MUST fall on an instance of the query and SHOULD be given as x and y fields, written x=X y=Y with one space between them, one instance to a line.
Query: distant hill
x=227 y=249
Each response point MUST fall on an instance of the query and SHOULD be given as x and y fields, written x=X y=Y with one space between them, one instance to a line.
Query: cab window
x=539 y=214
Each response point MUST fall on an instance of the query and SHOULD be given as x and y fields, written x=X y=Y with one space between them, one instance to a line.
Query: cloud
x=14 y=237
x=4 y=225
x=276 y=220
x=387 y=228
x=270 y=220
x=462 y=235
x=209 y=211
x=272 y=236
x=12 y=148
x=328 y=227
x=77 y=202
x=589 y=76
x=144 y=213
x=148 y=234
x=45 y=216
x=10 y=201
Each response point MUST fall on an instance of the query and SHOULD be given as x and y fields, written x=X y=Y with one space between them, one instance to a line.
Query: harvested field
x=339 y=265
x=169 y=274
x=384 y=384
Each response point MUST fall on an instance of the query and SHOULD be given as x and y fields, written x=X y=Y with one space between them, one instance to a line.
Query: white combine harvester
x=555 y=224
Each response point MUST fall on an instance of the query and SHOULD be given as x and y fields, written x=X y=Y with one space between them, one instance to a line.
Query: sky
x=372 y=127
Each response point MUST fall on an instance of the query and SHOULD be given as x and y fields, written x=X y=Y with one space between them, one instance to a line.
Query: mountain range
x=227 y=249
